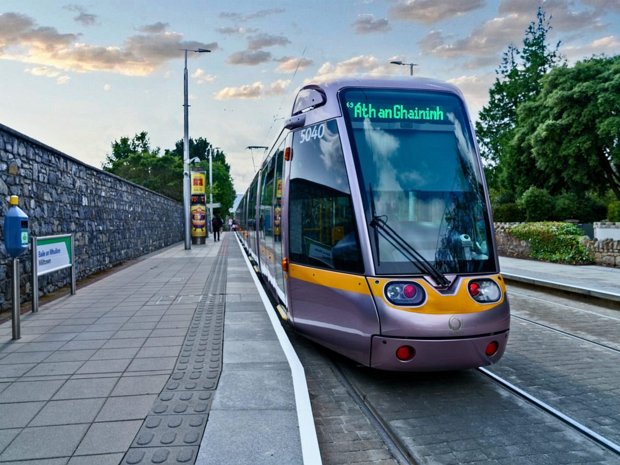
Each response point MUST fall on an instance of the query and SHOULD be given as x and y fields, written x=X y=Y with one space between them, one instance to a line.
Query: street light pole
x=186 y=186
x=210 y=150
x=411 y=65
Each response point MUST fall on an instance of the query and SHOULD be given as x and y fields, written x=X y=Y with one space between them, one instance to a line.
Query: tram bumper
x=405 y=354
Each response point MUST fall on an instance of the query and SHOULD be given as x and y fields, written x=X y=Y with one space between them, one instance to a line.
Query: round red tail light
x=492 y=348
x=405 y=353
x=474 y=288
x=409 y=291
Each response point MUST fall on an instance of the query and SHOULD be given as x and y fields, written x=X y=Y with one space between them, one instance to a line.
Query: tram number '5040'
x=315 y=132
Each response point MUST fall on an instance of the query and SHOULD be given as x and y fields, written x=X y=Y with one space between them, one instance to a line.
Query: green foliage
x=570 y=130
x=518 y=80
x=553 y=242
x=508 y=213
x=537 y=204
x=134 y=159
x=613 y=211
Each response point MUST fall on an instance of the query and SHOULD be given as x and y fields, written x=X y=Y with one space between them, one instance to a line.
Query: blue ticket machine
x=16 y=243
x=15 y=229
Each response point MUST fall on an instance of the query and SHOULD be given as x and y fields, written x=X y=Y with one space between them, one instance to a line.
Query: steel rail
x=612 y=446
x=565 y=333
x=389 y=438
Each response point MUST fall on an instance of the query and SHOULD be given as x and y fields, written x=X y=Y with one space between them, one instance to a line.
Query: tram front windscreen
x=420 y=180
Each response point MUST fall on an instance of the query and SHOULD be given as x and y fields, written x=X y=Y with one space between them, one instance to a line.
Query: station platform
x=175 y=359
x=133 y=369
x=587 y=280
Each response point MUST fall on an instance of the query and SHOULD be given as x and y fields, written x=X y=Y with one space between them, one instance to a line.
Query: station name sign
x=359 y=110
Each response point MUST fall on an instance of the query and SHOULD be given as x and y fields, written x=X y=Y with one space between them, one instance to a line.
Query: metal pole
x=186 y=186
x=16 y=300
x=35 y=276
x=211 y=184
x=73 y=260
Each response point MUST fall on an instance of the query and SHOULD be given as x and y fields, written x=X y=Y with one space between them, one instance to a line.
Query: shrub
x=567 y=207
x=553 y=242
x=613 y=211
x=508 y=213
x=537 y=203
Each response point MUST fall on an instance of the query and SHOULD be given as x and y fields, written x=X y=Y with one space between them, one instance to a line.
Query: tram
x=369 y=220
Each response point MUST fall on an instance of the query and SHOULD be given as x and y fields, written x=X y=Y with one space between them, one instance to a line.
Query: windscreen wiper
x=374 y=215
x=379 y=224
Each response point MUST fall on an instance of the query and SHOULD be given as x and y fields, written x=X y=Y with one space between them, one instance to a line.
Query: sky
x=78 y=75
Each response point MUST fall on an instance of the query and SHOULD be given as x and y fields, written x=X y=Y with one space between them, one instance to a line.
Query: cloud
x=355 y=66
x=367 y=24
x=604 y=46
x=249 y=57
x=85 y=19
x=482 y=46
x=155 y=28
x=604 y=6
x=562 y=13
x=263 y=40
x=233 y=31
x=140 y=54
x=475 y=89
x=431 y=11
x=248 y=91
x=253 y=91
x=201 y=77
x=247 y=17
x=292 y=64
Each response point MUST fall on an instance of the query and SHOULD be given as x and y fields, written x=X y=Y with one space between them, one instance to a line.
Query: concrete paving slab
x=18 y=415
x=86 y=388
x=255 y=389
x=126 y=408
x=28 y=391
x=44 y=442
x=109 y=437
x=140 y=385
x=66 y=412
x=225 y=442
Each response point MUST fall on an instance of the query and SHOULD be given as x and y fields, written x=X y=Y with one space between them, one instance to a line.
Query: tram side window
x=322 y=228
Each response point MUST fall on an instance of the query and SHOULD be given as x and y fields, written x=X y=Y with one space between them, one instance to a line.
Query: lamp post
x=411 y=65
x=186 y=187
x=210 y=150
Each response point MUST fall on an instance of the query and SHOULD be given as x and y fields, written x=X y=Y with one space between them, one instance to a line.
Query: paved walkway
x=597 y=281
x=133 y=369
x=173 y=360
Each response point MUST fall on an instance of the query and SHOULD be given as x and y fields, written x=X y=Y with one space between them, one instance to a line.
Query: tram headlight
x=484 y=290
x=403 y=293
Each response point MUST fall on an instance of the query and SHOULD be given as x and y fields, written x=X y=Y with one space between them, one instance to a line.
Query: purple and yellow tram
x=370 y=221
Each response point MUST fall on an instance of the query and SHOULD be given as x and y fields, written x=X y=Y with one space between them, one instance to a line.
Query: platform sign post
x=49 y=254
x=198 y=210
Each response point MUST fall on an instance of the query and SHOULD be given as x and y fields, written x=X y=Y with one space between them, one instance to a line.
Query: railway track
x=600 y=439
x=371 y=395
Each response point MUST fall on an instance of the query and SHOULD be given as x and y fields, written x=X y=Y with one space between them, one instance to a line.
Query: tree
x=518 y=81
x=223 y=188
x=134 y=159
x=571 y=130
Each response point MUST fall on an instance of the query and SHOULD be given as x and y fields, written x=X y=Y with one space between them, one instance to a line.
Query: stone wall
x=113 y=220
x=606 y=252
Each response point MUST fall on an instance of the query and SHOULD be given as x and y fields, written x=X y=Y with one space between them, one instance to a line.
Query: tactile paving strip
x=173 y=430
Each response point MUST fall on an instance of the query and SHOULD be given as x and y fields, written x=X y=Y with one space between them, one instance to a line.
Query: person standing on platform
x=216 y=222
